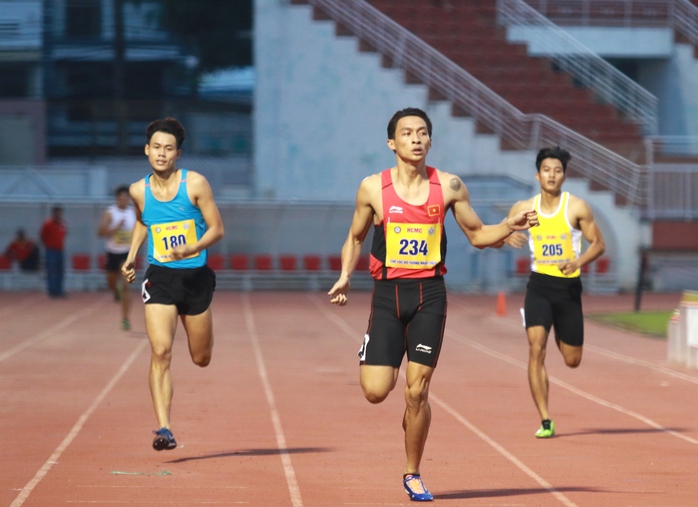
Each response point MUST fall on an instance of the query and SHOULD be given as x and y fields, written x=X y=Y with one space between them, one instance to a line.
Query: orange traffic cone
x=501 y=303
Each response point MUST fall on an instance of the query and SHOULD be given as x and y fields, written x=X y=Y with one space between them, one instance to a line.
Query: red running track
x=278 y=418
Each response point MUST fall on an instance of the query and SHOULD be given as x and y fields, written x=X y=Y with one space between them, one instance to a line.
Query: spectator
x=53 y=234
x=24 y=251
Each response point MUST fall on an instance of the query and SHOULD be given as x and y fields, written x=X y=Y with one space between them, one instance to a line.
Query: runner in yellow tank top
x=554 y=241
x=553 y=293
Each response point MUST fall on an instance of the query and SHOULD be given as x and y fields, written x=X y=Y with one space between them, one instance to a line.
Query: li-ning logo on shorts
x=362 y=350
x=423 y=348
x=144 y=293
x=395 y=209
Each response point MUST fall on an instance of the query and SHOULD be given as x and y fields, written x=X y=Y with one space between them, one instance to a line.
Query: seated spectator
x=24 y=251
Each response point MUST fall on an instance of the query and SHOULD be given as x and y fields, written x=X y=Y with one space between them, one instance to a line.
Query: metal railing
x=673 y=192
x=680 y=15
x=592 y=71
x=521 y=131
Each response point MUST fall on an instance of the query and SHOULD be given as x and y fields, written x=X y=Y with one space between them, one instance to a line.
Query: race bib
x=553 y=249
x=413 y=246
x=122 y=237
x=167 y=237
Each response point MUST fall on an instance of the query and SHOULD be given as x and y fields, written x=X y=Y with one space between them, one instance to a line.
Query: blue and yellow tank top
x=172 y=223
x=554 y=241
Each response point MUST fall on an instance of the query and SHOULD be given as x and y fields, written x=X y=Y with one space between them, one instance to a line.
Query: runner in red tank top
x=407 y=205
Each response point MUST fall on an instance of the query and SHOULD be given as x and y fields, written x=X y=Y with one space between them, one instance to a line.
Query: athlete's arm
x=479 y=235
x=104 y=230
x=201 y=194
x=581 y=214
x=360 y=225
x=140 y=231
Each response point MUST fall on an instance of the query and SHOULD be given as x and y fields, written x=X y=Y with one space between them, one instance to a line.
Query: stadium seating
x=239 y=262
x=215 y=262
x=5 y=262
x=80 y=262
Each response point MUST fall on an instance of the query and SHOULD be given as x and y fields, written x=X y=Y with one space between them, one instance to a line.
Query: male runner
x=407 y=205
x=176 y=213
x=554 y=290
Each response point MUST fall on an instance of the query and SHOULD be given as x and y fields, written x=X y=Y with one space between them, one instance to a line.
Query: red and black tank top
x=410 y=242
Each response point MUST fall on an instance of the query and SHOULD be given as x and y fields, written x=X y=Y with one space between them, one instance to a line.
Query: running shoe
x=125 y=324
x=164 y=440
x=416 y=489
x=546 y=430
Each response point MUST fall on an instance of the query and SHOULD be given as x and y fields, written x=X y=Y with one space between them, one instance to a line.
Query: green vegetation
x=650 y=323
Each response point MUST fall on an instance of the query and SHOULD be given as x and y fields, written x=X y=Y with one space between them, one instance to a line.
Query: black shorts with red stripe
x=407 y=316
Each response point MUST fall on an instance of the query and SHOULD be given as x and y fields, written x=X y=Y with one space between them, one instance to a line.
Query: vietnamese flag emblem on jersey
x=434 y=210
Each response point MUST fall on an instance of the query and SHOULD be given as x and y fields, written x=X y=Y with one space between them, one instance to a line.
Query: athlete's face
x=123 y=199
x=551 y=175
x=162 y=151
x=412 y=141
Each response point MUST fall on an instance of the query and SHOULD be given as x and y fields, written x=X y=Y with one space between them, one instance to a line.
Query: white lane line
x=501 y=450
x=621 y=357
x=293 y=489
x=578 y=392
x=640 y=362
x=51 y=331
x=26 y=490
x=448 y=409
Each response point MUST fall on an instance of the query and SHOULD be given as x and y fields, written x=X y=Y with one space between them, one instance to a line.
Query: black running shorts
x=115 y=261
x=190 y=290
x=556 y=302
x=407 y=315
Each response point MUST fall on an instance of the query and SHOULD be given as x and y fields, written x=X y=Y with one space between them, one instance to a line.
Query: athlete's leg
x=537 y=374
x=125 y=295
x=199 y=330
x=161 y=324
x=417 y=414
x=571 y=354
x=112 y=280
x=377 y=381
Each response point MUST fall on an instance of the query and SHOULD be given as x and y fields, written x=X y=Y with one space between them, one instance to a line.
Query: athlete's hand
x=567 y=268
x=182 y=251
x=129 y=271
x=338 y=293
x=524 y=220
x=516 y=240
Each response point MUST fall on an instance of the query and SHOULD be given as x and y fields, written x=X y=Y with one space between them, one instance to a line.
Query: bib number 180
x=174 y=241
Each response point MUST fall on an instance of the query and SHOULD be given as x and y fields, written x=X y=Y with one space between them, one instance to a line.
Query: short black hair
x=121 y=189
x=168 y=125
x=408 y=111
x=562 y=155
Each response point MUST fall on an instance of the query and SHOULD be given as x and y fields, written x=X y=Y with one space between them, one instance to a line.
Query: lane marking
x=501 y=450
x=569 y=387
x=51 y=331
x=641 y=362
x=621 y=357
x=26 y=490
x=492 y=443
x=293 y=489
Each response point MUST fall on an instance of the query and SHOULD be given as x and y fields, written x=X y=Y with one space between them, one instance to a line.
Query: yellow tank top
x=554 y=241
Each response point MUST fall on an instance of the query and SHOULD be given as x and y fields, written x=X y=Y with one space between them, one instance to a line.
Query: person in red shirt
x=24 y=251
x=53 y=234
x=406 y=206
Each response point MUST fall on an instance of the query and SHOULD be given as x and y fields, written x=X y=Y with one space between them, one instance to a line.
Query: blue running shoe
x=164 y=440
x=416 y=489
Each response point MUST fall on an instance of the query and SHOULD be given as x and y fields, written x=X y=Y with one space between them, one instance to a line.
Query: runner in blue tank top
x=177 y=215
